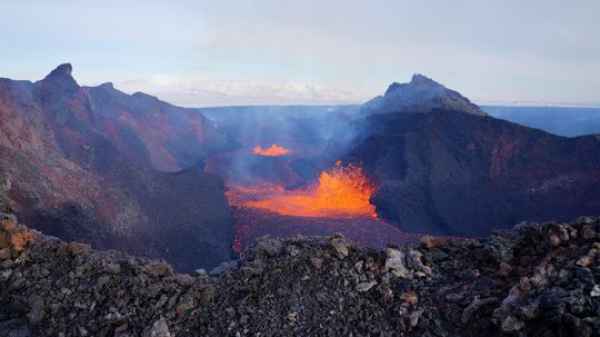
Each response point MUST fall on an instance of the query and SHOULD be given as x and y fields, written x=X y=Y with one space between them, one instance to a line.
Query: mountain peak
x=107 y=85
x=60 y=79
x=420 y=95
x=419 y=79
x=62 y=70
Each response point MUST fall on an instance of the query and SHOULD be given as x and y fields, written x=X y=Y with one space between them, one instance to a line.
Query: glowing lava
x=343 y=191
x=271 y=151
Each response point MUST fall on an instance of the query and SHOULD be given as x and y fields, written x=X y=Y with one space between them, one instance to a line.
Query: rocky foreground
x=537 y=280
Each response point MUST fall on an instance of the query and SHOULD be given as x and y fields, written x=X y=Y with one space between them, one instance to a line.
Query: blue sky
x=200 y=53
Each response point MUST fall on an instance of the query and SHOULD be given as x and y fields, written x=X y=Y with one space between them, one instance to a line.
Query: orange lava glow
x=271 y=151
x=343 y=191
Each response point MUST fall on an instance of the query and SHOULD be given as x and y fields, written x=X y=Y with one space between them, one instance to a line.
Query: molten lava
x=343 y=191
x=271 y=151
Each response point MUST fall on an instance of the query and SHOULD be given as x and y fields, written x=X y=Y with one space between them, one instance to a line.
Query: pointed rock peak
x=419 y=79
x=62 y=70
x=60 y=80
x=421 y=95
x=107 y=85
x=393 y=87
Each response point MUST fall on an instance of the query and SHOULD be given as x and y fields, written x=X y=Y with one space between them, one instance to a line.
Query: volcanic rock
x=365 y=286
x=340 y=245
x=96 y=165
x=442 y=167
x=395 y=262
x=158 y=329
x=269 y=246
x=5 y=254
x=63 y=70
x=46 y=290
x=420 y=95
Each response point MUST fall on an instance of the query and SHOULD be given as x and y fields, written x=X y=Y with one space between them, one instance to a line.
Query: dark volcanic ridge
x=459 y=173
x=536 y=280
x=114 y=170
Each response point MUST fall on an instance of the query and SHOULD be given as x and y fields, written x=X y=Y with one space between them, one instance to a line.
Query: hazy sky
x=310 y=51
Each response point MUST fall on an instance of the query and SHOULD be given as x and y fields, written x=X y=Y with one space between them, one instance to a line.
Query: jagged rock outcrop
x=537 y=280
x=452 y=170
x=114 y=170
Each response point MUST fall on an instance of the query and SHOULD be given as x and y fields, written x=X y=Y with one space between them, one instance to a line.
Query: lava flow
x=271 y=151
x=343 y=191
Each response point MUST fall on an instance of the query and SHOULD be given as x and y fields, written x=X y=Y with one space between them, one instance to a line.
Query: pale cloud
x=205 y=92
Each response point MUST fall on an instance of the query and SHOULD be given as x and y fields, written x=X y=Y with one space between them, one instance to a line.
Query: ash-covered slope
x=537 y=280
x=420 y=95
x=88 y=164
x=443 y=167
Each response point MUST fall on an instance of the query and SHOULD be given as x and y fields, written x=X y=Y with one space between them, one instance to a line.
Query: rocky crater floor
x=535 y=280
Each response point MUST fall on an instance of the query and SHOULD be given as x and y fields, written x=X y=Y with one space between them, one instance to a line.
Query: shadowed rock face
x=114 y=170
x=447 y=169
x=536 y=280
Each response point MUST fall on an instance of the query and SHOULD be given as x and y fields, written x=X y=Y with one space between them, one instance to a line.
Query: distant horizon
x=130 y=90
